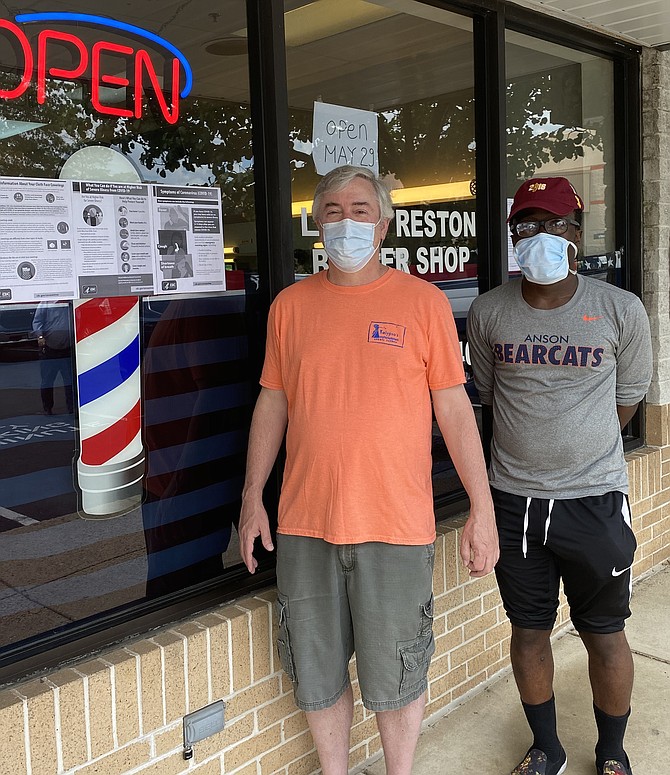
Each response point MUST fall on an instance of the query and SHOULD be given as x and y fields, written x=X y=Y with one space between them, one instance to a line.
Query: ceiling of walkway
x=643 y=21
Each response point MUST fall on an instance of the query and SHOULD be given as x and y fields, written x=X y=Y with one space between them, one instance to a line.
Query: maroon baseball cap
x=556 y=195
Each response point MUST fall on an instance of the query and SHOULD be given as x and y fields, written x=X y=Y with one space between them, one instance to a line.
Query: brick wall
x=121 y=712
x=656 y=215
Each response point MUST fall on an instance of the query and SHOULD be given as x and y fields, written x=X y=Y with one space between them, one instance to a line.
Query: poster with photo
x=113 y=238
x=188 y=228
x=37 y=257
x=79 y=239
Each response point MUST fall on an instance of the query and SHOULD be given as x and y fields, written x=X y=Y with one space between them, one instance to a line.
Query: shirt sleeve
x=271 y=376
x=634 y=356
x=445 y=363
x=481 y=355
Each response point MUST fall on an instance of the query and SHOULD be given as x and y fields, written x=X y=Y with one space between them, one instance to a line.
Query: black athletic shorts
x=586 y=542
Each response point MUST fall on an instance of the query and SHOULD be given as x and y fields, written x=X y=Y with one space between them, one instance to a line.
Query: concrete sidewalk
x=488 y=734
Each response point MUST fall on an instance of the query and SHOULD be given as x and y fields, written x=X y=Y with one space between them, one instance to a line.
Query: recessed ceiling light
x=231 y=46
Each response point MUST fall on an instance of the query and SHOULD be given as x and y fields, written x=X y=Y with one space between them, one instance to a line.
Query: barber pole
x=107 y=352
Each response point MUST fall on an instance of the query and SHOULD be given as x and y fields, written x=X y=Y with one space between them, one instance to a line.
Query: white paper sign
x=62 y=239
x=188 y=233
x=36 y=241
x=113 y=239
x=342 y=135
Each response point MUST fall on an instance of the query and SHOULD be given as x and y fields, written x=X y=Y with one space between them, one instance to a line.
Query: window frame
x=267 y=87
x=627 y=107
x=269 y=111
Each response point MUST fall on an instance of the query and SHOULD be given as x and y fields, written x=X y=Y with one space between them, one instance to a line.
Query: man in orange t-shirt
x=354 y=357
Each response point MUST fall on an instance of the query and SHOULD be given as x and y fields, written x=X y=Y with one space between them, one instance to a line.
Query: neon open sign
x=89 y=61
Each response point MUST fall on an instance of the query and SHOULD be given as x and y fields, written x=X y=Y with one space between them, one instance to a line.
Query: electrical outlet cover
x=203 y=723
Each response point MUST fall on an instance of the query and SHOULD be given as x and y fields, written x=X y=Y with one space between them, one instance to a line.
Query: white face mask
x=349 y=244
x=544 y=258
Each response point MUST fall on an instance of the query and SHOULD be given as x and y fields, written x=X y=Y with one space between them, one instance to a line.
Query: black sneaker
x=612 y=767
x=535 y=762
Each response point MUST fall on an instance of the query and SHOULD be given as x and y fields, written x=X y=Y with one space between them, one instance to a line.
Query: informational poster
x=37 y=261
x=342 y=135
x=113 y=238
x=64 y=239
x=188 y=232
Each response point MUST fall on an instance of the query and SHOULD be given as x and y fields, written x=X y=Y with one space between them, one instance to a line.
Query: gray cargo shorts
x=372 y=598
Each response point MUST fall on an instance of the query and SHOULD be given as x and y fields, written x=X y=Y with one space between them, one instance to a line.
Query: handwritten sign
x=342 y=135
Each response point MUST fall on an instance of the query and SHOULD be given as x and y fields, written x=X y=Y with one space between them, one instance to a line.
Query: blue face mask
x=544 y=258
x=349 y=244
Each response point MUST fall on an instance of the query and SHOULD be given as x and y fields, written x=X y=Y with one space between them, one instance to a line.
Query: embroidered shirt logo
x=589 y=318
x=387 y=333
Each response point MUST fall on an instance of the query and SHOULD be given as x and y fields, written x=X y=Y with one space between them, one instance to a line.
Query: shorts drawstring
x=524 y=542
x=548 y=522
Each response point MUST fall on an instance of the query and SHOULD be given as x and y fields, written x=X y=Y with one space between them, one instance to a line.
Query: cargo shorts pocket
x=416 y=654
x=415 y=661
x=426 y=626
x=283 y=639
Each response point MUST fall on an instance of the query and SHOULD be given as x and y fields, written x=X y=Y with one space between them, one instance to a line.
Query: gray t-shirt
x=554 y=378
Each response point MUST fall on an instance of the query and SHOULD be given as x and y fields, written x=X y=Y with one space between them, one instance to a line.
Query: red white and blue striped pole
x=107 y=354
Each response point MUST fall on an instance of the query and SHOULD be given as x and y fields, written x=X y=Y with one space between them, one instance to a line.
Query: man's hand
x=254 y=522
x=267 y=431
x=479 y=543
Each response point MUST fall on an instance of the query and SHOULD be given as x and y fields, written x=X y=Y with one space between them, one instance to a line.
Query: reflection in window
x=199 y=356
x=560 y=121
x=198 y=391
x=198 y=398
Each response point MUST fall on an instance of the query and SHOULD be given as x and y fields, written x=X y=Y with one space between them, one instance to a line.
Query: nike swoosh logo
x=616 y=572
x=589 y=318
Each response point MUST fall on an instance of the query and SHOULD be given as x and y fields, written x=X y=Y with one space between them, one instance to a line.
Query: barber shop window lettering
x=450 y=228
x=434 y=244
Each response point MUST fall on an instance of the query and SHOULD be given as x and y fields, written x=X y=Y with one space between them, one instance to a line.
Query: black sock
x=611 y=730
x=542 y=722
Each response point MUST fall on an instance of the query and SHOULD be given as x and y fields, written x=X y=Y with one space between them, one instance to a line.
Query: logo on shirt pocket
x=387 y=333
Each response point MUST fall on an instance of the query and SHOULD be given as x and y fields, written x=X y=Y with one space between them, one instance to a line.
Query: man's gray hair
x=340 y=178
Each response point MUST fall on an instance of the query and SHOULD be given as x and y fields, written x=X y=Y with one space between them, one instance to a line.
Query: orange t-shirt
x=357 y=365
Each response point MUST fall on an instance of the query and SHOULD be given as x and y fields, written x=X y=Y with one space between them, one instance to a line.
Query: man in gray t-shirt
x=563 y=361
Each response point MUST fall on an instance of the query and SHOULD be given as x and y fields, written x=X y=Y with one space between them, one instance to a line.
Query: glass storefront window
x=560 y=122
x=87 y=109
x=410 y=68
x=60 y=563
